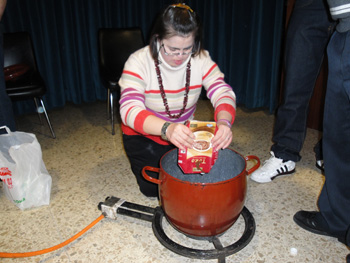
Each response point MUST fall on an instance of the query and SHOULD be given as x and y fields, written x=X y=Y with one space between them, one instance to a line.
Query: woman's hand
x=180 y=135
x=223 y=136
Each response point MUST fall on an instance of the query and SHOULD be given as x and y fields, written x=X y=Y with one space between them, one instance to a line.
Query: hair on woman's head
x=176 y=20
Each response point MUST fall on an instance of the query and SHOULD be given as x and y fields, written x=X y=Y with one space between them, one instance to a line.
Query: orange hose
x=50 y=249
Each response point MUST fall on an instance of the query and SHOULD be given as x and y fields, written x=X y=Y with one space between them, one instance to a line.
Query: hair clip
x=183 y=6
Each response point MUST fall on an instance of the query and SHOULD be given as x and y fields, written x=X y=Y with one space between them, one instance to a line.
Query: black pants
x=334 y=200
x=308 y=33
x=142 y=152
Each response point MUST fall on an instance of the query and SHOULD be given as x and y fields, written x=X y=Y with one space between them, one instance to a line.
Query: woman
x=160 y=86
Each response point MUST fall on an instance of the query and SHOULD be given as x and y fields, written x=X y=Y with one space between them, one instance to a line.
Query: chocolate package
x=202 y=156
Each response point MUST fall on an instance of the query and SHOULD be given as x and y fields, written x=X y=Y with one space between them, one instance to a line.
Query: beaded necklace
x=162 y=93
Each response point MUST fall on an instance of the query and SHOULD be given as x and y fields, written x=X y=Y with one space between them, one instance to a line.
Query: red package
x=202 y=156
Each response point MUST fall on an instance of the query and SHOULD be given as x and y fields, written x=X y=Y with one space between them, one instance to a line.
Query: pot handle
x=149 y=178
x=257 y=164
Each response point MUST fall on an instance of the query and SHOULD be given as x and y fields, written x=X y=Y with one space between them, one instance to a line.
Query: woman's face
x=175 y=50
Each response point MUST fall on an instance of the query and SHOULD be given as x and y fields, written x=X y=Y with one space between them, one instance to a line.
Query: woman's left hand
x=223 y=137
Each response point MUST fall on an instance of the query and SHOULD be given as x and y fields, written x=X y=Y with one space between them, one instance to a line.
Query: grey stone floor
x=87 y=164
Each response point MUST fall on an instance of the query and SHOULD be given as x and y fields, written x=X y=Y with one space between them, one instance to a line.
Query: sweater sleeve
x=133 y=111
x=218 y=91
x=340 y=10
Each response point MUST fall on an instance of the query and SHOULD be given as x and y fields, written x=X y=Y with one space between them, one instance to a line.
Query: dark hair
x=176 y=20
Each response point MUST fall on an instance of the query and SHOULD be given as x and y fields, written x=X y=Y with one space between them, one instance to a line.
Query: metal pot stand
x=113 y=206
x=219 y=252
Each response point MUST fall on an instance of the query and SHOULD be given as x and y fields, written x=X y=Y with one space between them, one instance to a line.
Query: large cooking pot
x=203 y=205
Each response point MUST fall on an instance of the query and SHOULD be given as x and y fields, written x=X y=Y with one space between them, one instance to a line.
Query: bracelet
x=164 y=129
x=227 y=122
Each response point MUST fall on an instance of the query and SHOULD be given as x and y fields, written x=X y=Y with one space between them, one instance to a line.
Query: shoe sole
x=274 y=177
x=283 y=174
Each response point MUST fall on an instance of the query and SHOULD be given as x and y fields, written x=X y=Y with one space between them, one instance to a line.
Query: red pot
x=203 y=205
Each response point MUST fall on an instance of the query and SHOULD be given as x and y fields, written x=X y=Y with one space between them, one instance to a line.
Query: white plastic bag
x=26 y=181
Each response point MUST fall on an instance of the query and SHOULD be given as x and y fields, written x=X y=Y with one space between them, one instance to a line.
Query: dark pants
x=334 y=200
x=308 y=33
x=142 y=152
x=6 y=112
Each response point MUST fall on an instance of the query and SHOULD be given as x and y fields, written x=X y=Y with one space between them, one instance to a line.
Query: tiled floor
x=87 y=164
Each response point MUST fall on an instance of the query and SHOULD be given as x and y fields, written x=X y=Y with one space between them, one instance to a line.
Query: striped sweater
x=340 y=9
x=140 y=93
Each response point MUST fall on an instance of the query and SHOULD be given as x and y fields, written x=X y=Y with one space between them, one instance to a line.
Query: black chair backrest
x=18 y=49
x=115 y=46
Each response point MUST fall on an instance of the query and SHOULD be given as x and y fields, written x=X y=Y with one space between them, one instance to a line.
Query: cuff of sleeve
x=139 y=121
x=225 y=107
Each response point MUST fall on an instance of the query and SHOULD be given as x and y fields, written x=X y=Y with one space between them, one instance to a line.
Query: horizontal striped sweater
x=140 y=93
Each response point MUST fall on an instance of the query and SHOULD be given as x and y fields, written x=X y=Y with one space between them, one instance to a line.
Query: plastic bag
x=26 y=181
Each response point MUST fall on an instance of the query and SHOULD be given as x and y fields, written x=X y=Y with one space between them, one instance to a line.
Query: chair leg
x=112 y=111
x=108 y=104
x=38 y=111
x=47 y=117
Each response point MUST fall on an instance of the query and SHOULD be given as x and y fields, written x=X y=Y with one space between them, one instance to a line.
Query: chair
x=23 y=80
x=115 y=46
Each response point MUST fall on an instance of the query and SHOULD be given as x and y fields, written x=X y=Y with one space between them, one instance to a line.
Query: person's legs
x=318 y=149
x=333 y=219
x=307 y=37
x=308 y=34
x=142 y=152
x=334 y=200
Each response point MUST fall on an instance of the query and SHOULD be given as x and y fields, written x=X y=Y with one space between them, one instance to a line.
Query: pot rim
x=243 y=172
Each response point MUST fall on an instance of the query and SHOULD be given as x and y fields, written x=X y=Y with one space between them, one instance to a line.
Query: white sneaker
x=272 y=168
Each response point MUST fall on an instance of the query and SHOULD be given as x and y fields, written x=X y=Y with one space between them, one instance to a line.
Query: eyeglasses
x=176 y=53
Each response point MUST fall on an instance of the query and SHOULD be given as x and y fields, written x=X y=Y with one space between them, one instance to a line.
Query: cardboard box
x=202 y=156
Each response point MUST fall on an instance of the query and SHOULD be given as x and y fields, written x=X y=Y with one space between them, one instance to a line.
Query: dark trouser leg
x=142 y=152
x=334 y=200
x=308 y=34
x=318 y=150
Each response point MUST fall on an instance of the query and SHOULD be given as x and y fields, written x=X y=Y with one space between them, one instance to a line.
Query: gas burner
x=220 y=252
x=113 y=206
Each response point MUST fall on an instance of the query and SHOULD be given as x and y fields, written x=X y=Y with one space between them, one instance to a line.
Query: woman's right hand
x=180 y=135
